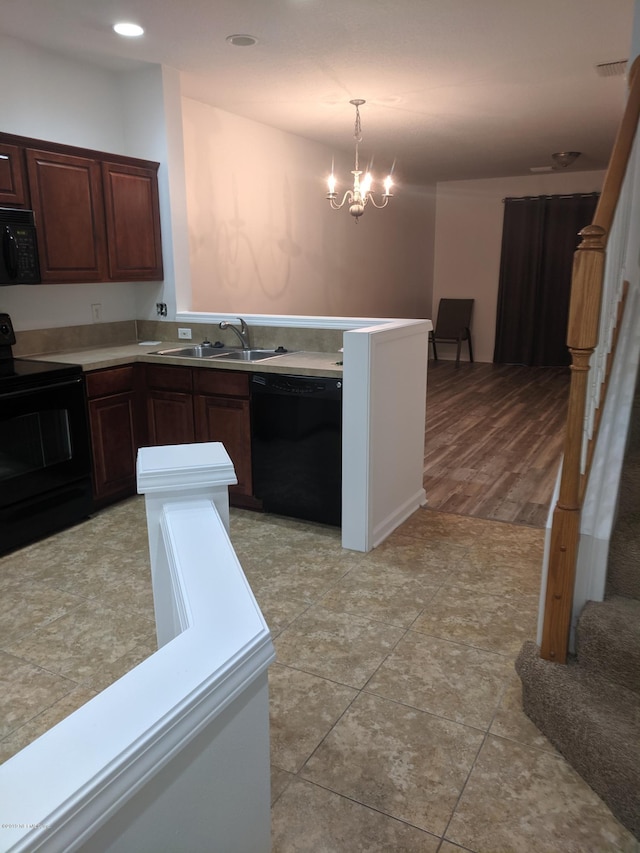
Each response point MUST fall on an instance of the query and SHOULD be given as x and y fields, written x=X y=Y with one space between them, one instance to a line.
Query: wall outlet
x=184 y=334
x=96 y=312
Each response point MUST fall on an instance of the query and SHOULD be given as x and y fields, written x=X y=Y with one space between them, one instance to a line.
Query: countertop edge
x=297 y=363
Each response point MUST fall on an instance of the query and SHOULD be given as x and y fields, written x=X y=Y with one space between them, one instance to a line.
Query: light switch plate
x=184 y=334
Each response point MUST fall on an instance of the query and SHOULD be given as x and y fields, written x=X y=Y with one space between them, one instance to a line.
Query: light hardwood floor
x=493 y=439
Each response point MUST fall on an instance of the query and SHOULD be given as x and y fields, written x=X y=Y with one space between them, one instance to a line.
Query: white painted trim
x=69 y=783
x=386 y=526
x=184 y=466
x=297 y=321
x=545 y=558
x=186 y=472
x=356 y=439
x=601 y=498
x=385 y=378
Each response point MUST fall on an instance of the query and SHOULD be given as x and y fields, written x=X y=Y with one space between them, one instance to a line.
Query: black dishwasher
x=296 y=445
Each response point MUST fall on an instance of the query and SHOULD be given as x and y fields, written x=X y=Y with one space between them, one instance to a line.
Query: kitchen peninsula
x=384 y=374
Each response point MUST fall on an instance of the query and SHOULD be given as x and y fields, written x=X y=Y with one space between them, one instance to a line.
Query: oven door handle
x=24 y=392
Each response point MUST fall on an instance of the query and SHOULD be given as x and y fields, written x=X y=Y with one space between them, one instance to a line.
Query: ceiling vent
x=612 y=69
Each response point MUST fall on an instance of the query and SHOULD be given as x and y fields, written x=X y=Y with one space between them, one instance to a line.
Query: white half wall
x=383 y=415
x=468 y=242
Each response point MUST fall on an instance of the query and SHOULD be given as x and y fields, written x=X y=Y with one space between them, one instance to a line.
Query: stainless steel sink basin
x=231 y=354
x=251 y=354
x=196 y=351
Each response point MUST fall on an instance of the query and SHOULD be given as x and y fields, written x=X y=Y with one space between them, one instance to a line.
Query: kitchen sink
x=251 y=354
x=196 y=351
x=231 y=354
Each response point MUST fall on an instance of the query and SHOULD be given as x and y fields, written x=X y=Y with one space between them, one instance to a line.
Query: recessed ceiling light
x=240 y=40
x=131 y=30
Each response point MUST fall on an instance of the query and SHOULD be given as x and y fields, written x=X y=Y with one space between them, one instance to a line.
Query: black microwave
x=19 y=250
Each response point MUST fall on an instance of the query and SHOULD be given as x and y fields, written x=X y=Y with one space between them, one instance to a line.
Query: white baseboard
x=396 y=518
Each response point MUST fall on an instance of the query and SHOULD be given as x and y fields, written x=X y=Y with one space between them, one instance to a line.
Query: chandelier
x=358 y=197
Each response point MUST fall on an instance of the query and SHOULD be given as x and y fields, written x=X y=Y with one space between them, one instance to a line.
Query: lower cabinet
x=140 y=404
x=187 y=404
x=112 y=400
x=169 y=404
x=221 y=409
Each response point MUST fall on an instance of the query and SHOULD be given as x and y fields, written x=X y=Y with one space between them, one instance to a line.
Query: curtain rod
x=536 y=197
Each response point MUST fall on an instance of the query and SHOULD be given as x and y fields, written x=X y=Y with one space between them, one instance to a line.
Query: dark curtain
x=539 y=237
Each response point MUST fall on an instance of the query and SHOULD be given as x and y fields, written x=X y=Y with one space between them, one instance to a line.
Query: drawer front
x=224 y=383
x=168 y=378
x=112 y=380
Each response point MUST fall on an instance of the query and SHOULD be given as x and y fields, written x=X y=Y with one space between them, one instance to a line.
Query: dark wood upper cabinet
x=13 y=184
x=66 y=196
x=97 y=215
x=133 y=222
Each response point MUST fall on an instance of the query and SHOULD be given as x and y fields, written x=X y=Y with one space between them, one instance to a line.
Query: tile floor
x=395 y=709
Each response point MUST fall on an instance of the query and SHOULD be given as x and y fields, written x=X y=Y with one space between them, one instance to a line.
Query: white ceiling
x=454 y=88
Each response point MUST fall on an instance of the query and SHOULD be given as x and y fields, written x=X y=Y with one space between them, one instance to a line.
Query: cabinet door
x=114 y=447
x=133 y=223
x=66 y=195
x=13 y=184
x=227 y=420
x=170 y=417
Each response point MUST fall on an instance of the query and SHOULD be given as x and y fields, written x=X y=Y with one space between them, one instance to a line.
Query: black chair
x=452 y=325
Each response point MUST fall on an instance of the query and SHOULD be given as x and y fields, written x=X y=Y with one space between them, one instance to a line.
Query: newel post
x=582 y=337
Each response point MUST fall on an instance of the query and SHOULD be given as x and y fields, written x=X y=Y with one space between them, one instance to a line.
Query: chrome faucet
x=242 y=332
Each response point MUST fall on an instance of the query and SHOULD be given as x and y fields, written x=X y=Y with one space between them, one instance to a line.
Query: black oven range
x=45 y=461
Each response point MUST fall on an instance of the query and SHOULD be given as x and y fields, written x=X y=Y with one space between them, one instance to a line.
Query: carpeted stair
x=590 y=709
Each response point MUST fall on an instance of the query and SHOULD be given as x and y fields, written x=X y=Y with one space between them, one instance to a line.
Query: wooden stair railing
x=582 y=338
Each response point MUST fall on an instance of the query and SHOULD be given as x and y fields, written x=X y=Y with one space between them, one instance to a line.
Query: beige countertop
x=294 y=363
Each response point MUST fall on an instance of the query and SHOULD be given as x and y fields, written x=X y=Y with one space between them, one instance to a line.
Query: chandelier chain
x=357 y=132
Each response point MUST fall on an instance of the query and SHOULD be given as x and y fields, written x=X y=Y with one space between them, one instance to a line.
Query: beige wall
x=468 y=240
x=264 y=240
x=59 y=99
